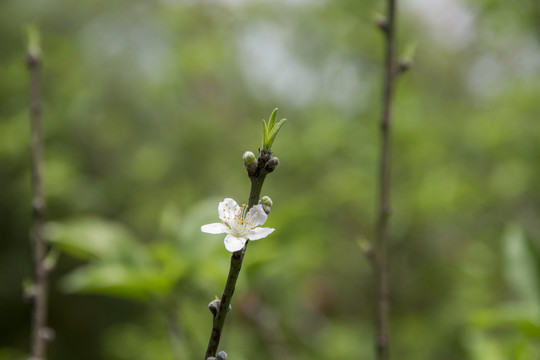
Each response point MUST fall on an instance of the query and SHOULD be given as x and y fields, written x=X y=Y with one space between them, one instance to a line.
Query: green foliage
x=270 y=131
x=512 y=330
x=95 y=238
x=122 y=266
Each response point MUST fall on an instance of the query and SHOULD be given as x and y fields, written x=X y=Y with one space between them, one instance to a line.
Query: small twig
x=40 y=331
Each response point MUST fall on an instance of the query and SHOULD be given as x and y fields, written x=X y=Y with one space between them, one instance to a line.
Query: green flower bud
x=265 y=200
x=249 y=158
x=266 y=203
x=250 y=162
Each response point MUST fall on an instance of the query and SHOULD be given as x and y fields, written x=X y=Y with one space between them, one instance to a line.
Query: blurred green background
x=148 y=108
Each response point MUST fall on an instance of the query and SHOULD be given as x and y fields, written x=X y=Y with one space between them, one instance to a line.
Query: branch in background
x=176 y=335
x=40 y=331
x=267 y=324
x=387 y=26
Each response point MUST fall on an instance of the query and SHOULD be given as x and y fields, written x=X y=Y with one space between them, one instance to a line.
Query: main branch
x=257 y=177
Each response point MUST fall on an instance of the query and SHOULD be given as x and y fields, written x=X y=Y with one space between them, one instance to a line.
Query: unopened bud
x=222 y=355
x=404 y=65
x=214 y=306
x=47 y=333
x=265 y=200
x=266 y=203
x=272 y=164
x=250 y=161
x=381 y=22
x=264 y=156
x=29 y=290
x=249 y=158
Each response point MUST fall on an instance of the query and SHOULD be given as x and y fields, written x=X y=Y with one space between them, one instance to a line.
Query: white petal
x=256 y=216
x=227 y=209
x=259 y=233
x=215 y=228
x=233 y=243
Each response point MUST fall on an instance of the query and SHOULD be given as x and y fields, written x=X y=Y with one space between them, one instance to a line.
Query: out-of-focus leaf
x=530 y=328
x=533 y=248
x=482 y=347
x=520 y=270
x=12 y=354
x=92 y=237
x=116 y=279
x=170 y=265
x=203 y=212
x=511 y=316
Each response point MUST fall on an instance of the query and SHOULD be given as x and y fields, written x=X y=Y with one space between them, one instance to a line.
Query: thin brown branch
x=40 y=330
x=221 y=313
x=384 y=204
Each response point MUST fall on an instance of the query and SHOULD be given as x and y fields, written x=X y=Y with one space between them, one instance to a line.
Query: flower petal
x=256 y=216
x=233 y=243
x=259 y=233
x=227 y=209
x=215 y=228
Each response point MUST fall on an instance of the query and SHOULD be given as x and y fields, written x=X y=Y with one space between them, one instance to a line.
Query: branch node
x=38 y=206
x=264 y=157
x=214 y=307
x=368 y=251
x=403 y=66
x=272 y=164
x=47 y=334
x=382 y=23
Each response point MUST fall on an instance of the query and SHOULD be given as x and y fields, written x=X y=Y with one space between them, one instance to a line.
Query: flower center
x=241 y=222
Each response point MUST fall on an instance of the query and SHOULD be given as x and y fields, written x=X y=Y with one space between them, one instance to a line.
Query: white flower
x=239 y=224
